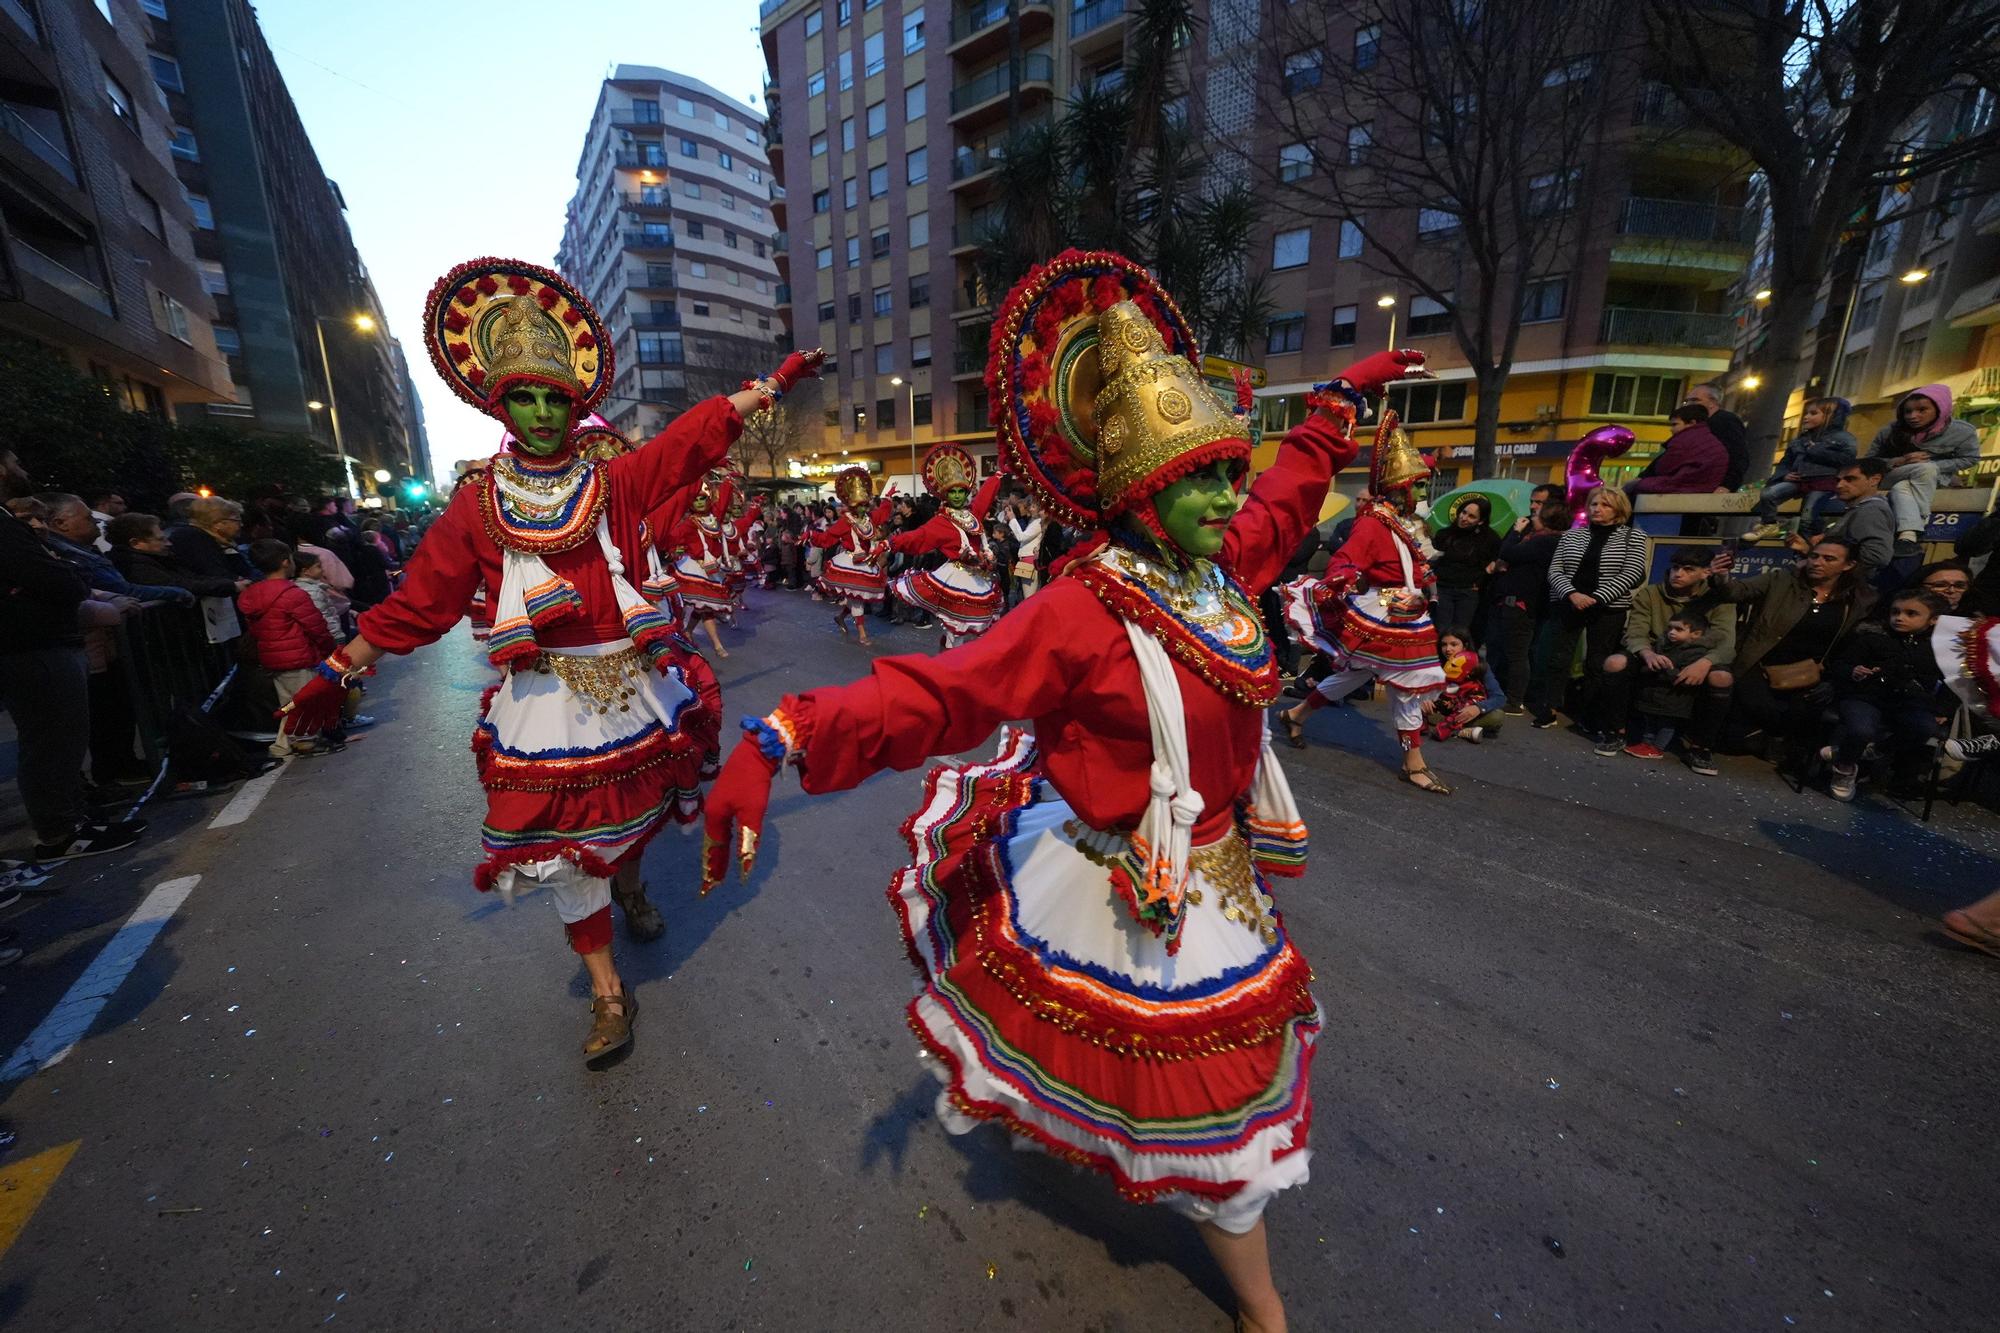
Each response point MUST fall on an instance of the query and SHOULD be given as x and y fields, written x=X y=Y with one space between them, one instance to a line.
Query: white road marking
x=78 y=1009
x=246 y=800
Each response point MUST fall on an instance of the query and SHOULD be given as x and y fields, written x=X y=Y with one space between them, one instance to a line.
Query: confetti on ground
x=1553 y=1085
x=922 y=1212
x=992 y=1270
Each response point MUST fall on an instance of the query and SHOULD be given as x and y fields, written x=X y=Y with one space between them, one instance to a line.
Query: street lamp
x=1388 y=303
x=361 y=324
x=899 y=382
x=1751 y=381
x=382 y=475
x=315 y=405
x=1915 y=276
x=1762 y=295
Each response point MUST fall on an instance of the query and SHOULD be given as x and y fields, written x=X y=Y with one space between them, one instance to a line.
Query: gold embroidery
x=601 y=682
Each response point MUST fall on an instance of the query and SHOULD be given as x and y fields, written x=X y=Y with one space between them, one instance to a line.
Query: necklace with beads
x=542 y=511
x=1197 y=612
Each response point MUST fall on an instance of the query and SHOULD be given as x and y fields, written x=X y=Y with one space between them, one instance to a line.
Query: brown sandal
x=1295 y=730
x=1432 y=783
x=609 y=1030
x=1971 y=934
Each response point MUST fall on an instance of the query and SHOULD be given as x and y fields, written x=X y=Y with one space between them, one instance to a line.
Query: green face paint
x=956 y=497
x=540 y=417
x=1195 y=511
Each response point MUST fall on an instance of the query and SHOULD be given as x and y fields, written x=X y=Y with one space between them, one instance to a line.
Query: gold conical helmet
x=1397 y=465
x=1154 y=406
x=852 y=486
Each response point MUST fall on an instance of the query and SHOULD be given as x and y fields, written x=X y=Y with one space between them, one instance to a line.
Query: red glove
x=798 y=366
x=316 y=707
x=1370 y=375
x=739 y=796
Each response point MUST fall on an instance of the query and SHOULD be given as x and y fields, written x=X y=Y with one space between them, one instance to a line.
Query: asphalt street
x=1608 y=1046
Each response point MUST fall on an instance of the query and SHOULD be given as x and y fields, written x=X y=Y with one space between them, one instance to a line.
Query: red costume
x=961 y=593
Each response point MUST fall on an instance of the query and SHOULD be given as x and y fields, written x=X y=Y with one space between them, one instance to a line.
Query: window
x=728 y=199
x=878 y=182
x=871 y=54
x=1578 y=70
x=682 y=105
x=1295 y=162
x=1350 y=239
x=214 y=277
x=878 y=120
x=1290 y=249
x=920 y=409
x=729 y=239
x=853 y=251
x=184 y=146
x=816 y=83
x=920 y=230
x=659 y=275
x=147 y=210
x=121 y=101
x=826 y=312
x=1544 y=300
x=204 y=216
x=920 y=292
x=695 y=230
x=854 y=307
x=659 y=348
x=1867 y=311
x=166 y=72
x=885 y=408
x=1553 y=192
x=1286 y=333
x=823 y=257
x=1301 y=71
x=814 y=21
x=920 y=350
x=847 y=134
x=1434 y=223
x=913 y=101
x=156 y=8
x=756 y=176
x=698 y=268
x=878 y=244
x=728 y=161
x=1909 y=357
x=645 y=111
x=833 y=416
x=860 y=412
x=848 y=197
x=689 y=148
x=1420 y=404
x=1360 y=138
x=867 y=5
x=917 y=165
x=913 y=30
x=722 y=122
x=1428 y=318
x=1634 y=395
x=692 y=189
x=845 y=62
x=1343 y=326
x=819 y=144
x=843 y=10
x=171 y=316
x=1367 y=45
x=883 y=304
x=822 y=201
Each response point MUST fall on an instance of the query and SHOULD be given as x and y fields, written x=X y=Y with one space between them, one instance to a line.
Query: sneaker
x=90 y=840
x=1763 y=532
x=1976 y=747
x=1701 y=761
x=1844 y=779
x=359 y=722
x=1515 y=710
x=1472 y=735
x=1545 y=721
x=1644 y=750
x=1608 y=744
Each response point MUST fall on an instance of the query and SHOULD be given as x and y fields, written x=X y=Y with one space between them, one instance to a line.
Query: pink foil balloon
x=1587 y=458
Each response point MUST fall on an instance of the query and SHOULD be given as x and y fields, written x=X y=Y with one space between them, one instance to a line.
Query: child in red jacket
x=285 y=630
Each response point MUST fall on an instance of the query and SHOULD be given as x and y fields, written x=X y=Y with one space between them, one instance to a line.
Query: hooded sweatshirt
x=1952 y=444
x=1815 y=454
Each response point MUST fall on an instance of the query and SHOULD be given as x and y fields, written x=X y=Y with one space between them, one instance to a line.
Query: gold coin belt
x=605 y=682
x=1226 y=866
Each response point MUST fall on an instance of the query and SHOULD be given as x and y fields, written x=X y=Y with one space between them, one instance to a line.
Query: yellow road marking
x=24 y=1185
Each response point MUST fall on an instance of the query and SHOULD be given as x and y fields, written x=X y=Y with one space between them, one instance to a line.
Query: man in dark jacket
x=44 y=680
x=206 y=545
x=1729 y=429
x=1693 y=462
x=1521 y=597
x=73 y=534
x=140 y=550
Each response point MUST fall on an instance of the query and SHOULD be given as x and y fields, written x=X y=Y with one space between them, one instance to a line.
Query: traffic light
x=414 y=489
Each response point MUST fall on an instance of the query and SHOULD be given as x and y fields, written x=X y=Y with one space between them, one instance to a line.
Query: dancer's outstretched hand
x=1370 y=375
x=315 y=708
x=735 y=813
x=798 y=366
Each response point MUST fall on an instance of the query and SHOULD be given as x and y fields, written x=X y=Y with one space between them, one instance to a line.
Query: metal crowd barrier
x=168 y=664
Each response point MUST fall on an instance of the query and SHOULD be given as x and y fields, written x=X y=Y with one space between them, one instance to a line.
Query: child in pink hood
x=1924 y=444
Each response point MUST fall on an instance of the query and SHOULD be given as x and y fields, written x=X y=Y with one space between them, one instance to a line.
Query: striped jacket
x=1621 y=567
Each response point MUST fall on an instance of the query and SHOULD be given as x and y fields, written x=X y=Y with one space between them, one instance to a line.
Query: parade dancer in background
x=1370 y=612
x=582 y=746
x=961 y=592
x=852 y=579
x=1101 y=967
x=700 y=571
x=739 y=551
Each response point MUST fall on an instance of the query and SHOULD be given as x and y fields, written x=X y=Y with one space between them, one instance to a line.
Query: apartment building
x=671 y=236
x=97 y=256
x=888 y=117
x=306 y=338
x=1638 y=310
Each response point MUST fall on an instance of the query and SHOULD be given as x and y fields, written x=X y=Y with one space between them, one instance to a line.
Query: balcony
x=1680 y=220
x=630 y=118
x=782 y=296
x=968 y=363
x=658 y=203
x=985 y=97
x=1100 y=24
x=656 y=319
x=975 y=164
x=979 y=30
x=967 y=238
x=1674 y=240
x=647 y=240
x=639 y=161
x=974 y=301
x=65 y=280
x=47 y=148
x=660 y=356
x=1667 y=328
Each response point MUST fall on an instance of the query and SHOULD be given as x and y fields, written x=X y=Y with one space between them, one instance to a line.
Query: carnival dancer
x=1101 y=967
x=852 y=579
x=582 y=746
x=1370 y=612
x=961 y=592
x=739 y=522
x=699 y=564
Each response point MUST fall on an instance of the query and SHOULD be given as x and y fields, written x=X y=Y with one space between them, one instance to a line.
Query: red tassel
x=518 y=284
x=476 y=375
x=548 y=296
x=486 y=284
x=585 y=341
x=572 y=316
x=455 y=322
x=1106 y=291
x=467 y=296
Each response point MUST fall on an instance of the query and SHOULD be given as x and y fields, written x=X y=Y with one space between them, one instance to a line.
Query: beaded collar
x=1200 y=614
x=542 y=508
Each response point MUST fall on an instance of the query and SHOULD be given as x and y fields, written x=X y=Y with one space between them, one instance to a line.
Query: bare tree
x=772 y=437
x=1459 y=144
x=1843 y=107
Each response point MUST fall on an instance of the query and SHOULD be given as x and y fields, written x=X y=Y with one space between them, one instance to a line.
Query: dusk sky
x=453 y=129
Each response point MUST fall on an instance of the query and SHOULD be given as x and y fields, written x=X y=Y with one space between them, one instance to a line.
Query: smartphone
x=1731 y=545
